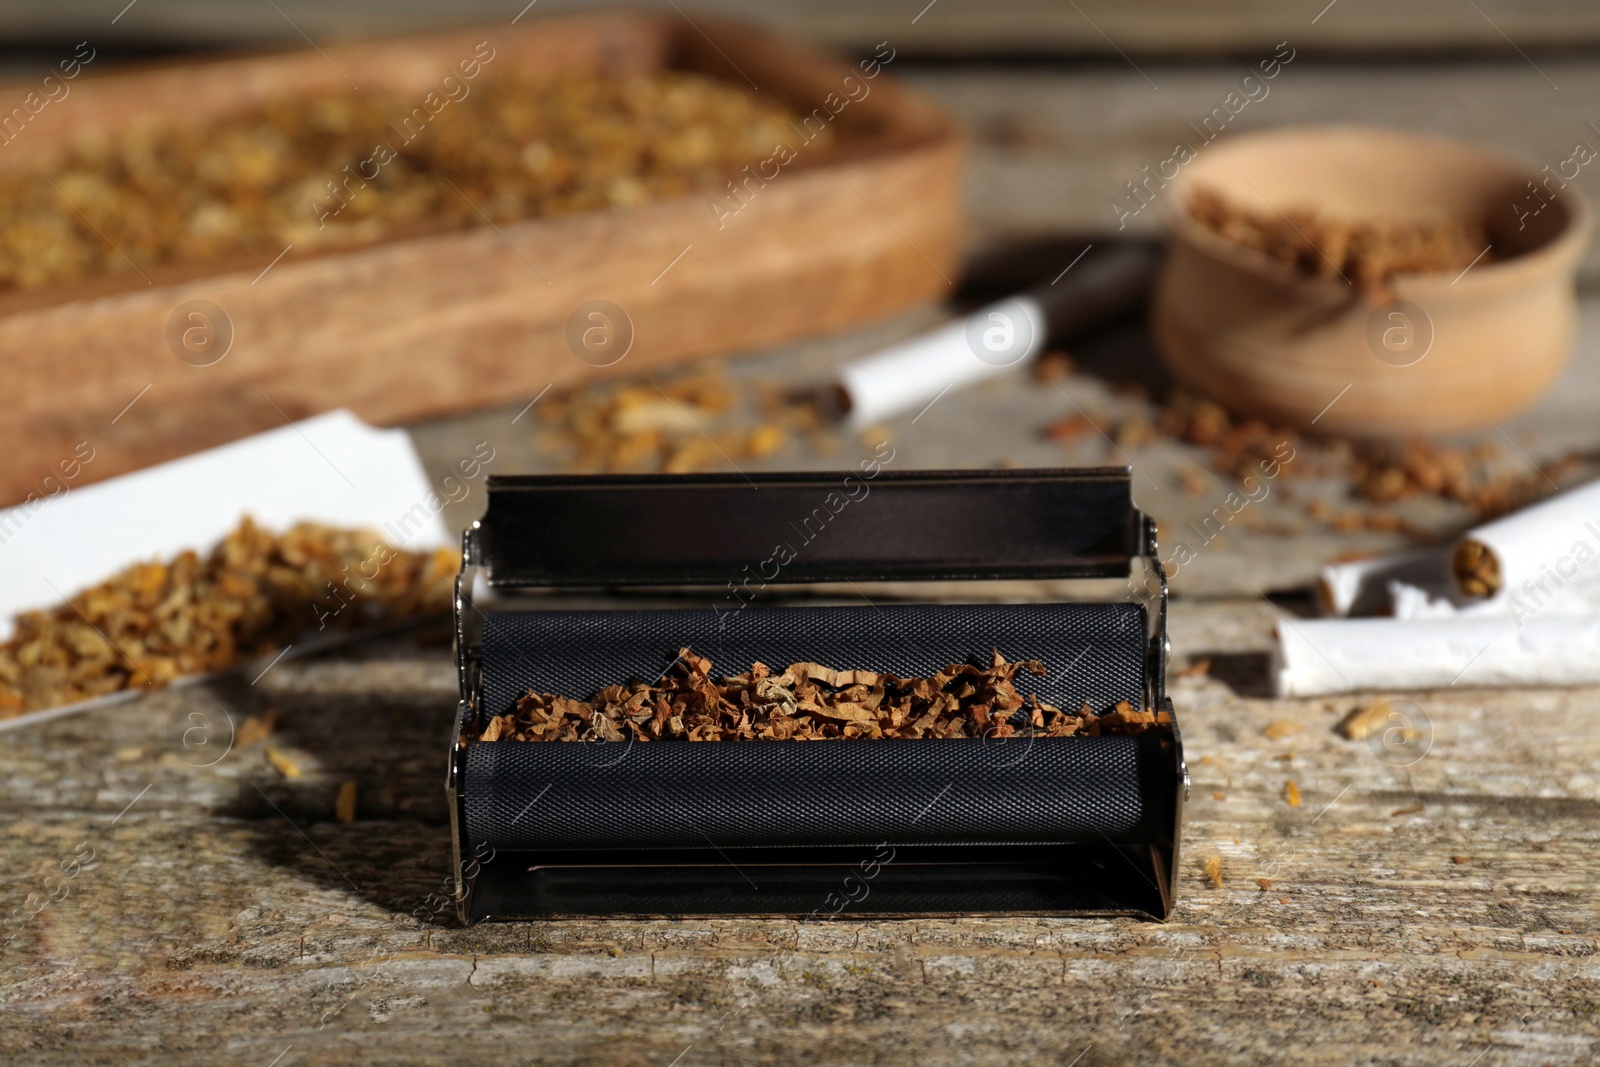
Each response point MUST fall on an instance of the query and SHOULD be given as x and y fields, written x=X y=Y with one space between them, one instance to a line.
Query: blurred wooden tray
x=422 y=325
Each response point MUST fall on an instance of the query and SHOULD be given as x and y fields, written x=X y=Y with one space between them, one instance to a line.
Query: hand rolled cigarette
x=912 y=375
x=1543 y=554
x=1543 y=558
x=1316 y=657
x=995 y=339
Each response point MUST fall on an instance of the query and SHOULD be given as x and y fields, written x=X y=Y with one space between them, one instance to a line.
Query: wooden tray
x=425 y=324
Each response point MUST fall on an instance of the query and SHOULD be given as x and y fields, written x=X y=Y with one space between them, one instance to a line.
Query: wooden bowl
x=1433 y=353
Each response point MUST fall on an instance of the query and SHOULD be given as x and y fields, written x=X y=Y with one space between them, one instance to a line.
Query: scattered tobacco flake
x=1291 y=793
x=1192 y=481
x=1391 y=471
x=811 y=702
x=1361 y=722
x=282 y=762
x=344 y=804
x=1365 y=253
x=1480 y=477
x=1068 y=429
x=255 y=593
x=522 y=144
x=1237 y=447
x=1212 y=869
x=1052 y=366
x=694 y=422
x=256 y=728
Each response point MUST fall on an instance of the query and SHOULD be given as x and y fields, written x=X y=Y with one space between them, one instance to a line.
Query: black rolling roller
x=1084 y=824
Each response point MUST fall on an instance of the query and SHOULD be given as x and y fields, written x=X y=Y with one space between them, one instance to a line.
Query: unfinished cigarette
x=1315 y=657
x=1540 y=554
x=1000 y=337
x=1361 y=587
x=1439 y=600
x=910 y=376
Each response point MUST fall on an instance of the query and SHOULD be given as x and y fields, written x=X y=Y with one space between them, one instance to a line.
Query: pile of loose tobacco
x=678 y=425
x=256 y=592
x=810 y=702
x=1366 y=254
x=342 y=168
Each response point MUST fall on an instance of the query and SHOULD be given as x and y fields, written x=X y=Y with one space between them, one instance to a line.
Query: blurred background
x=1050 y=92
x=1061 y=113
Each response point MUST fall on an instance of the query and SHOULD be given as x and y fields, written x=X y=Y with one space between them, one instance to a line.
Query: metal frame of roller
x=1058 y=826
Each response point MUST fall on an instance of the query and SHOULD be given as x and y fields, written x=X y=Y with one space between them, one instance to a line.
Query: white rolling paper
x=1547 y=552
x=1438 y=601
x=1447 y=602
x=333 y=469
x=994 y=340
x=1315 y=657
x=1361 y=587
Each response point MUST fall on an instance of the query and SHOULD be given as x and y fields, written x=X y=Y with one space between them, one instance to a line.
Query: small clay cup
x=1430 y=353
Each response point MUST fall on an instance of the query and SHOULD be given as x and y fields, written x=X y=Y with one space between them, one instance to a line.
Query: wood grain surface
x=1436 y=911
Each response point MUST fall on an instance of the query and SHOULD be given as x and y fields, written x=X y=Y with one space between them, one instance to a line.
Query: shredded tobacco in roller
x=810 y=702
x=1365 y=253
x=255 y=593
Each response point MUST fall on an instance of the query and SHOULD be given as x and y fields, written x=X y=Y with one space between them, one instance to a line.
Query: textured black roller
x=1092 y=652
x=1076 y=825
x=556 y=794
x=553 y=794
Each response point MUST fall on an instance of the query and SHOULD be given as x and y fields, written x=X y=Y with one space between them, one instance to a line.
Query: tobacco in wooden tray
x=811 y=702
x=340 y=169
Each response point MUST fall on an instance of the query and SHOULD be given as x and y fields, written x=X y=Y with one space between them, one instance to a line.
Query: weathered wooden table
x=175 y=898
x=1434 y=912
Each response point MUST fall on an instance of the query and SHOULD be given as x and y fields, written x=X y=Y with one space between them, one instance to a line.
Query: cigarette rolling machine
x=1082 y=825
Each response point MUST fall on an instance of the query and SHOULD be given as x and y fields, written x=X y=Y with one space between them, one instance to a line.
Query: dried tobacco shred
x=1365 y=253
x=346 y=168
x=810 y=702
x=1375 y=471
x=1476 y=568
x=698 y=421
x=256 y=592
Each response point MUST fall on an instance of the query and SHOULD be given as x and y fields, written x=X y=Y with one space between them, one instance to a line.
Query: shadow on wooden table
x=1248 y=674
x=392 y=745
